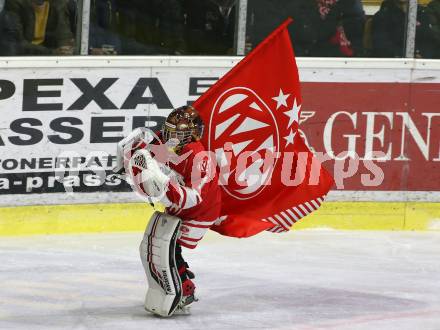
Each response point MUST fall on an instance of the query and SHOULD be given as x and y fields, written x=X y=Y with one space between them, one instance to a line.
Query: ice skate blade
x=155 y=313
x=184 y=310
x=184 y=307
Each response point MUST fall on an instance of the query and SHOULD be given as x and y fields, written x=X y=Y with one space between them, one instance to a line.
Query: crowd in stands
x=206 y=27
x=36 y=27
x=168 y=27
x=388 y=28
x=340 y=28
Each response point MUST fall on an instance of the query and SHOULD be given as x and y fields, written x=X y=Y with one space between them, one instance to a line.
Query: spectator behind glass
x=168 y=28
x=433 y=11
x=102 y=40
x=9 y=33
x=389 y=30
x=127 y=17
x=72 y=9
x=43 y=26
x=210 y=26
x=140 y=25
x=319 y=28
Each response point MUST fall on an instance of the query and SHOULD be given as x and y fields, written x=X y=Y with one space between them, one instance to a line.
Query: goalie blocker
x=157 y=251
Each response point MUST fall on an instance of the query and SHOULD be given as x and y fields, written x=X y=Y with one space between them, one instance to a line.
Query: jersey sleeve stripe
x=187 y=245
x=197 y=225
x=200 y=222
x=185 y=238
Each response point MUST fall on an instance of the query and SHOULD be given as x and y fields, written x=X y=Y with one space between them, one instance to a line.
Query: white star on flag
x=293 y=114
x=281 y=99
x=289 y=138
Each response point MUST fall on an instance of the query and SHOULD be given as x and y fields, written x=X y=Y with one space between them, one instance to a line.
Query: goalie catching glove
x=151 y=180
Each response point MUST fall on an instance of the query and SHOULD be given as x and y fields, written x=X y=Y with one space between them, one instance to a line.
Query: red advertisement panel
x=385 y=135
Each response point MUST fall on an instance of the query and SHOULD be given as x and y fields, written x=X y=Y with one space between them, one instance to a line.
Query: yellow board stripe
x=374 y=216
x=92 y=218
x=62 y=219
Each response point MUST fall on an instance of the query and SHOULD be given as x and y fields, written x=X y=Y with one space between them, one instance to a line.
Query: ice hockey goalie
x=186 y=183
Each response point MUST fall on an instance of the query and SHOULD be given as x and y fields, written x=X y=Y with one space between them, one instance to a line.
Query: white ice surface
x=301 y=280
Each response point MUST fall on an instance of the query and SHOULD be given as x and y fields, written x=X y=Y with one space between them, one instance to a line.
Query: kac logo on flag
x=244 y=135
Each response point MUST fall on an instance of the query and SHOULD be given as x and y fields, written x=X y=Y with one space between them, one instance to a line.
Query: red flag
x=269 y=177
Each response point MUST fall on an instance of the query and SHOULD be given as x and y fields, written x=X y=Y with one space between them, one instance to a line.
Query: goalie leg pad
x=157 y=251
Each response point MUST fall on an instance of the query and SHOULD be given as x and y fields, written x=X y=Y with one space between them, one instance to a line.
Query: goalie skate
x=188 y=286
x=157 y=250
x=184 y=307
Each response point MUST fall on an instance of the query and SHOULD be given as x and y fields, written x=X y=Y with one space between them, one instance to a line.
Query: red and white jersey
x=197 y=197
x=193 y=194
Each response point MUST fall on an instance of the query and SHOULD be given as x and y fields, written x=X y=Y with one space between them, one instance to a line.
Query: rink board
x=364 y=105
x=55 y=125
x=93 y=218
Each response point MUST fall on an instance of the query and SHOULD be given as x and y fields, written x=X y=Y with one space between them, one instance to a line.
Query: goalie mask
x=184 y=124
